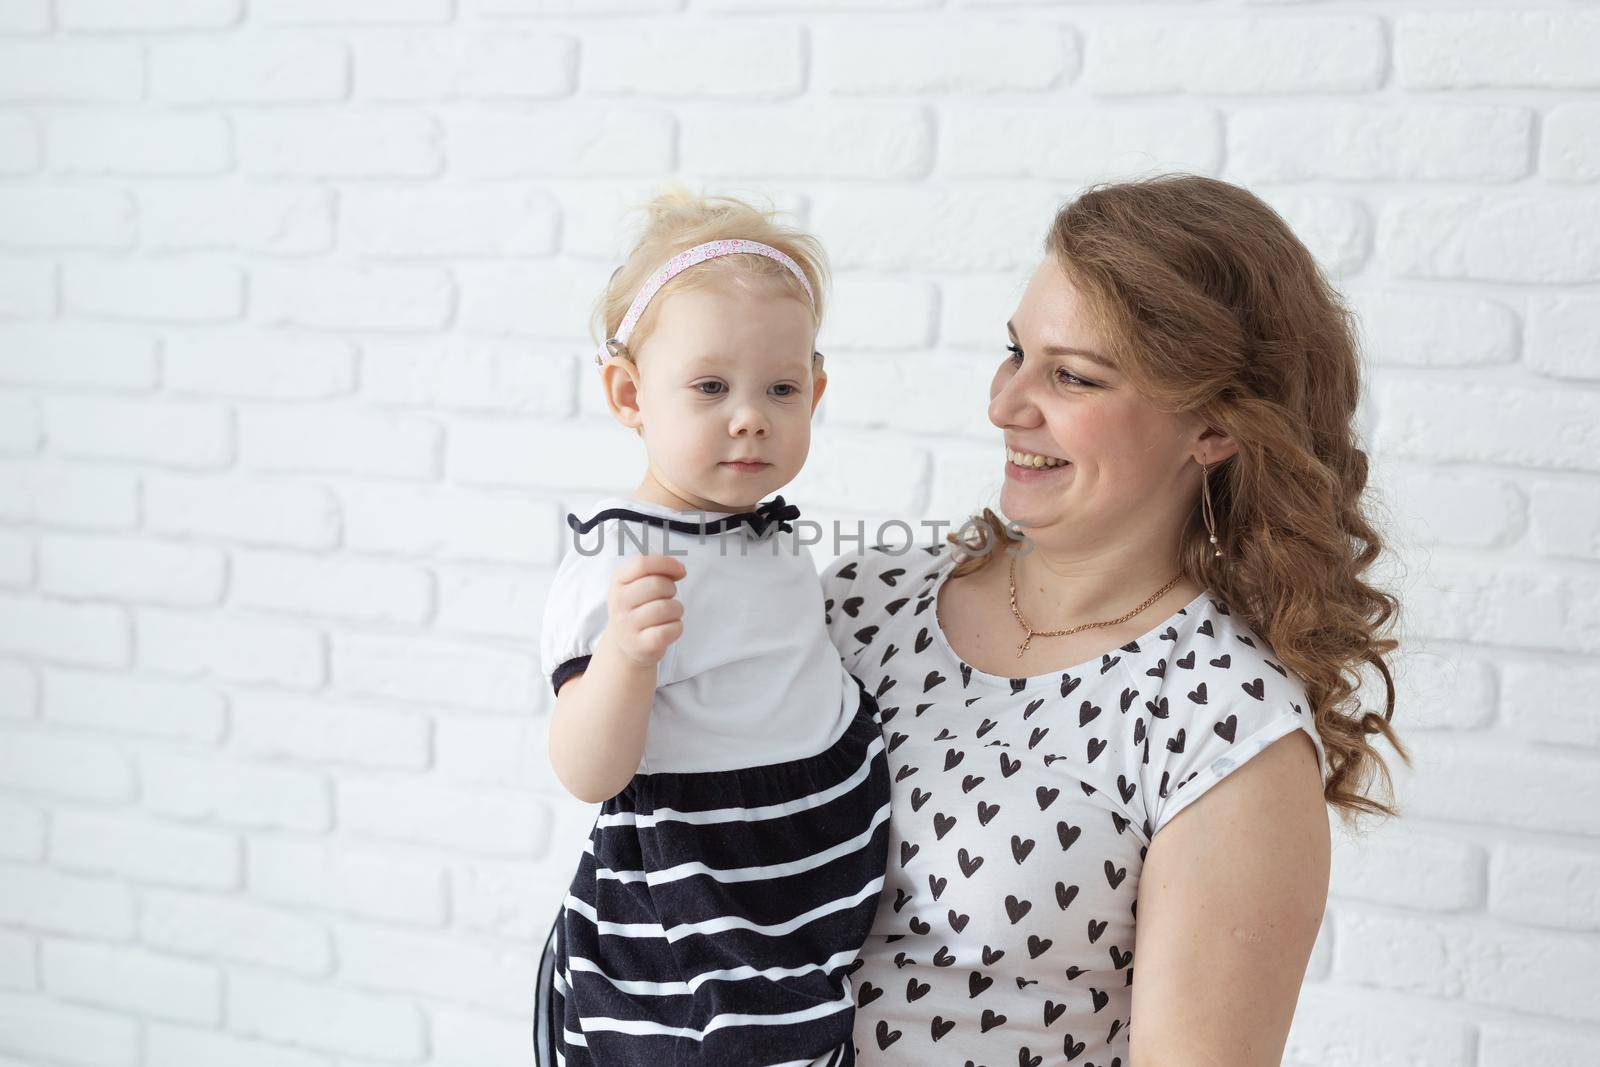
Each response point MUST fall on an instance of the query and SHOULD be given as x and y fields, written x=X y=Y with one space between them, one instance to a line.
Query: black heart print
x=1006 y=928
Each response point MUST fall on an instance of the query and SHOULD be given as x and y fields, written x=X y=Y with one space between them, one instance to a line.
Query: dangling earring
x=1205 y=504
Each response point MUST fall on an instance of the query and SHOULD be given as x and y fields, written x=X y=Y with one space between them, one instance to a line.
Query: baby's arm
x=598 y=728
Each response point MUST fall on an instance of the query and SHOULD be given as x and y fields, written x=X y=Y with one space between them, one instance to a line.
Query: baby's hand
x=645 y=615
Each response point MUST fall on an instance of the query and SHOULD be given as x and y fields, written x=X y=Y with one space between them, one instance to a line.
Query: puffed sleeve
x=575 y=614
x=1235 y=706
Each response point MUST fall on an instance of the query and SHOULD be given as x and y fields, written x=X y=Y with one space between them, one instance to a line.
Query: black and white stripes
x=715 y=916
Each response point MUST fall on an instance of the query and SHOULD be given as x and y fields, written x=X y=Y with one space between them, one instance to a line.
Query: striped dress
x=716 y=916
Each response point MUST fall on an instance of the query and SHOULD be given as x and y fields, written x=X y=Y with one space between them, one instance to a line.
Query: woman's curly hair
x=1212 y=305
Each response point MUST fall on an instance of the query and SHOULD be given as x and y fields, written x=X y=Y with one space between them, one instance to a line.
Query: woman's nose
x=1010 y=401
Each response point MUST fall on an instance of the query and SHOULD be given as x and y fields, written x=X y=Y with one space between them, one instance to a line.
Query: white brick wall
x=295 y=391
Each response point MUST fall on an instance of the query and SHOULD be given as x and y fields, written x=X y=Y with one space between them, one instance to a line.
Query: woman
x=1183 y=608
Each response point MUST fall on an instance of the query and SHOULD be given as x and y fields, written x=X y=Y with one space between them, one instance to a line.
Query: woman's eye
x=1066 y=377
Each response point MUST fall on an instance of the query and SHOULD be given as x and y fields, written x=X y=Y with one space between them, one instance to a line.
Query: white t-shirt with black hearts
x=1022 y=809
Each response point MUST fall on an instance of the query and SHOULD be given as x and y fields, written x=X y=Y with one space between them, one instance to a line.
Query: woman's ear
x=620 y=379
x=1216 y=446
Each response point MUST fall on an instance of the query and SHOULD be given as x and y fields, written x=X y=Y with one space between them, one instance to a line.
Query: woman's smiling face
x=1055 y=396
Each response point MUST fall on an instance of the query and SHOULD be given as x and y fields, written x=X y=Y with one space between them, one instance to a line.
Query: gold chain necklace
x=1031 y=633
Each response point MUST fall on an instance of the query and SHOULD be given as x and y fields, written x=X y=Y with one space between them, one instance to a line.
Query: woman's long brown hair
x=1211 y=305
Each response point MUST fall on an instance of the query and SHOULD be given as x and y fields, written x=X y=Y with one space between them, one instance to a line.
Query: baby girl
x=739 y=851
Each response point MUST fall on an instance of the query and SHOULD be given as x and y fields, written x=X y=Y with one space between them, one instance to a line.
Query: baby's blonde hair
x=677 y=219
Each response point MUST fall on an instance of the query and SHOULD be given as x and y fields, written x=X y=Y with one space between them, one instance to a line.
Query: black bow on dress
x=774 y=511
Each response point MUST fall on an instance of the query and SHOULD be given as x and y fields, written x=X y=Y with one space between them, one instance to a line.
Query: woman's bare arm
x=1230 y=900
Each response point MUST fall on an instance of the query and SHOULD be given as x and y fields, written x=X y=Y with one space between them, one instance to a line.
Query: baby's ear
x=622 y=391
x=819 y=382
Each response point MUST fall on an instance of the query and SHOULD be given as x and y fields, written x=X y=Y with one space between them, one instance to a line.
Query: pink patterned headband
x=682 y=262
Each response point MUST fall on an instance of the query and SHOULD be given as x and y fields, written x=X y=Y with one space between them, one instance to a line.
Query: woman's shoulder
x=1210 y=634
x=1220 y=675
x=1220 y=696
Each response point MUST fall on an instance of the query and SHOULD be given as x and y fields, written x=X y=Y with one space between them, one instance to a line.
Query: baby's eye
x=701 y=386
x=785 y=385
